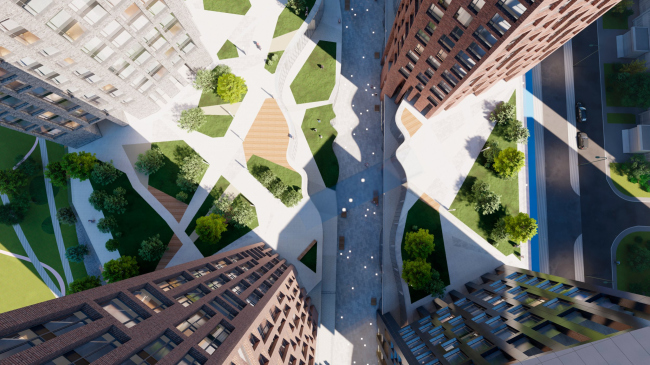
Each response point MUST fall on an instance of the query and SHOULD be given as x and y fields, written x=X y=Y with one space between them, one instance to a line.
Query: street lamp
x=599 y=158
x=591 y=45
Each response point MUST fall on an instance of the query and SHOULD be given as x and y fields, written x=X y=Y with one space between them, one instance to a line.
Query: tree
x=242 y=213
x=622 y=6
x=277 y=188
x=503 y=113
x=76 y=253
x=221 y=70
x=85 y=283
x=638 y=257
x=636 y=66
x=211 y=227
x=12 y=182
x=508 y=163
x=291 y=197
x=97 y=198
x=150 y=161
x=185 y=184
x=490 y=152
x=56 y=173
x=436 y=287
x=416 y=273
x=266 y=177
x=12 y=213
x=499 y=231
x=637 y=168
x=487 y=201
x=79 y=165
x=296 y=6
x=205 y=80
x=191 y=119
x=231 y=88
x=29 y=167
x=123 y=268
x=634 y=88
x=112 y=245
x=521 y=227
x=182 y=196
x=223 y=205
x=117 y=202
x=107 y=224
x=66 y=215
x=516 y=132
x=419 y=244
x=105 y=173
x=192 y=168
x=152 y=249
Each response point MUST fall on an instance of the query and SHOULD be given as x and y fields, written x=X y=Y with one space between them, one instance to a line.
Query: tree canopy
x=508 y=163
x=521 y=227
x=210 y=227
x=119 y=269
x=419 y=244
x=231 y=88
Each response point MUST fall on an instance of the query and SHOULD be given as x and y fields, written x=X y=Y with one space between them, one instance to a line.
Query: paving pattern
x=269 y=135
x=411 y=123
x=176 y=207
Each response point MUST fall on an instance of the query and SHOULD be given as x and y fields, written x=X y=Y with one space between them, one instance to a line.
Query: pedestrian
x=339 y=20
x=91 y=220
x=318 y=120
x=320 y=136
x=314 y=129
x=367 y=164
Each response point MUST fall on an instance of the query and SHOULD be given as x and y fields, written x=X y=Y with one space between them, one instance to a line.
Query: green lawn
x=289 y=177
x=624 y=185
x=218 y=189
x=613 y=20
x=311 y=257
x=165 y=178
x=274 y=66
x=313 y=83
x=139 y=222
x=621 y=118
x=321 y=148
x=227 y=6
x=612 y=98
x=228 y=50
x=20 y=284
x=624 y=275
x=209 y=98
x=425 y=217
x=288 y=21
x=216 y=125
x=508 y=189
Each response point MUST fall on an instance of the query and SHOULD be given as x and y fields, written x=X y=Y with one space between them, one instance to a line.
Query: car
x=583 y=140
x=581 y=112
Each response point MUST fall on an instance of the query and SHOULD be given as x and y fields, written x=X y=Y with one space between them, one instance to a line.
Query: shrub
x=637 y=168
x=222 y=206
x=499 y=231
x=417 y=273
x=241 y=212
x=508 y=163
x=56 y=173
x=221 y=70
x=191 y=119
x=205 y=80
x=296 y=6
x=12 y=213
x=66 y=215
x=105 y=173
x=490 y=152
x=29 y=167
x=152 y=249
x=192 y=168
x=76 y=253
x=86 y=283
x=12 y=182
x=291 y=197
x=277 y=188
x=123 y=268
x=634 y=88
x=97 y=198
x=112 y=245
x=419 y=244
x=521 y=227
x=150 y=161
x=210 y=227
x=503 y=113
x=636 y=66
x=414 y=228
x=638 y=257
x=266 y=177
x=436 y=287
x=185 y=184
x=487 y=202
x=182 y=196
x=638 y=239
x=79 y=165
x=107 y=224
x=117 y=202
x=231 y=88
x=514 y=131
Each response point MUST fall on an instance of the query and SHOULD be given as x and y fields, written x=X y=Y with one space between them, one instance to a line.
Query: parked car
x=583 y=140
x=581 y=112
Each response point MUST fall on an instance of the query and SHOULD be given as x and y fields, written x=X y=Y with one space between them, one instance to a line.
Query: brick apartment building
x=512 y=315
x=240 y=307
x=66 y=65
x=438 y=52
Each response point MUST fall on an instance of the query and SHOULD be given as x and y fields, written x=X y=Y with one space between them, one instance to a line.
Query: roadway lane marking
x=578 y=259
x=571 y=117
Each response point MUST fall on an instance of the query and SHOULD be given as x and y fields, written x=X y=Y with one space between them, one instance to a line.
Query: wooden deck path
x=429 y=200
x=268 y=137
x=174 y=206
x=173 y=247
x=411 y=122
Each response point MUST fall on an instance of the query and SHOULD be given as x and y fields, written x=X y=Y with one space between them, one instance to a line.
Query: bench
x=375 y=197
x=341 y=243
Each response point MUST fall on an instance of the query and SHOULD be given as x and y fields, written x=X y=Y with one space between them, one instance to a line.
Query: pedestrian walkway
x=47 y=267
x=55 y=222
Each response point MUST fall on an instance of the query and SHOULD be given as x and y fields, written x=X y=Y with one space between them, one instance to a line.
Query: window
x=476 y=51
x=433 y=62
x=431 y=27
x=223 y=308
x=476 y=5
x=66 y=26
x=189 y=360
x=463 y=17
x=34 y=7
x=499 y=24
x=423 y=36
x=441 y=55
x=30 y=337
x=17 y=32
x=172 y=283
x=456 y=33
x=459 y=71
x=435 y=13
x=485 y=36
x=190 y=297
x=193 y=323
x=253 y=298
x=214 y=339
x=153 y=352
x=202 y=271
x=466 y=60
x=216 y=283
x=264 y=330
x=239 y=288
x=149 y=300
x=88 y=352
x=448 y=43
x=156 y=7
x=512 y=7
x=122 y=312
x=444 y=86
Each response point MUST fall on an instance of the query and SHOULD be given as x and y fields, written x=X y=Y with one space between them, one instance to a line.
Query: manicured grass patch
x=209 y=98
x=229 y=236
x=425 y=217
x=288 y=21
x=20 y=285
x=274 y=65
x=139 y=222
x=624 y=185
x=508 y=189
x=621 y=118
x=165 y=178
x=13 y=144
x=624 y=275
x=312 y=82
x=612 y=98
x=311 y=257
x=289 y=177
x=216 y=125
x=218 y=189
x=321 y=148
x=227 y=6
x=228 y=50
x=612 y=20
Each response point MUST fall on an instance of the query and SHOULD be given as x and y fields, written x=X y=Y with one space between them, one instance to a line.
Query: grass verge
x=227 y=6
x=621 y=118
x=288 y=176
x=624 y=185
x=218 y=189
x=612 y=20
x=288 y=21
x=209 y=98
x=624 y=275
x=321 y=148
x=425 y=217
x=216 y=125
x=20 y=285
x=311 y=257
x=312 y=82
x=228 y=50
x=274 y=65
x=165 y=178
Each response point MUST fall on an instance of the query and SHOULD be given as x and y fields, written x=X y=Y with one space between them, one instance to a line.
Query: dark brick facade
x=284 y=293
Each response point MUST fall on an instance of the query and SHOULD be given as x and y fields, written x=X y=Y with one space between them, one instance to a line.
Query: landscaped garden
x=621 y=118
x=272 y=61
x=320 y=136
x=616 y=18
x=317 y=77
x=214 y=194
x=422 y=216
x=632 y=177
x=228 y=50
x=633 y=274
x=311 y=257
x=215 y=125
x=233 y=88
x=285 y=184
x=627 y=84
x=227 y=6
x=292 y=16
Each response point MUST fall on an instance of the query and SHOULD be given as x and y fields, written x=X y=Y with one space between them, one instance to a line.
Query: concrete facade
x=96 y=59
x=440 y=52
